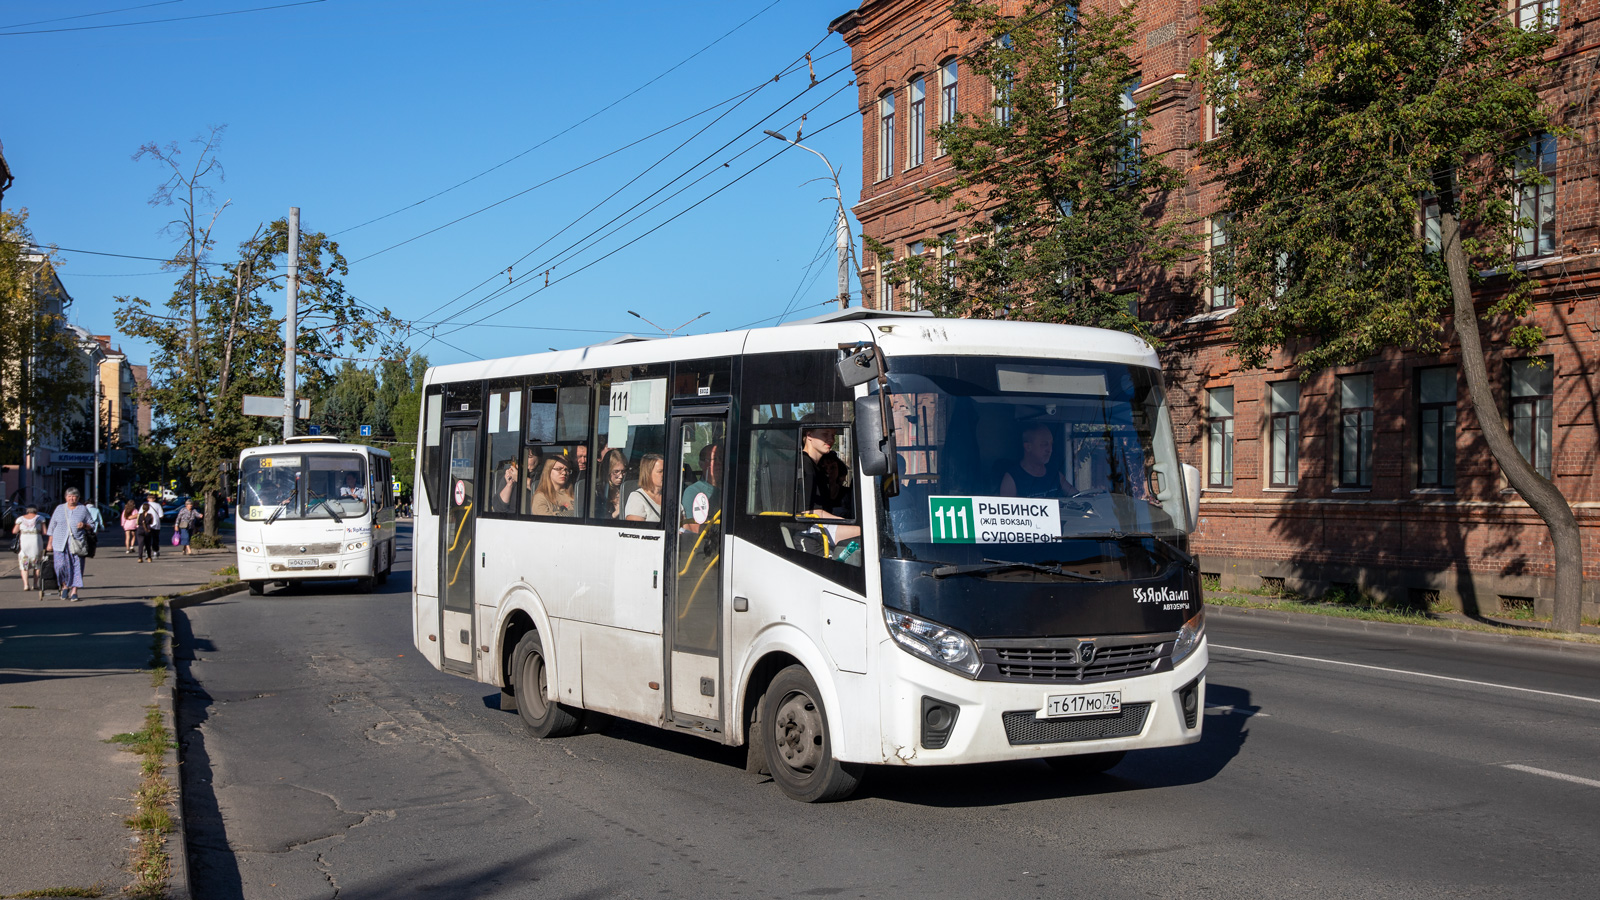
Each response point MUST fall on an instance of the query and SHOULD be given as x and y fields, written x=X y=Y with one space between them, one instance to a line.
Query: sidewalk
x=71 y=676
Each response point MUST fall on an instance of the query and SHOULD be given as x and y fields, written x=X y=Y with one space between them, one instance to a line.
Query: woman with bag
x=185 y=526
x=30 y=545
x=67 y=542
x=130 y=526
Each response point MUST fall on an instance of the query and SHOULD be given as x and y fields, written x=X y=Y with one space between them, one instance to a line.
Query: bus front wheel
x=532 y=679
x=257 y=588
x=793 y=731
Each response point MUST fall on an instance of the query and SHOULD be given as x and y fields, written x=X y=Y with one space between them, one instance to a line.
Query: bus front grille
x=1059 y=662
x=303 y=549
x=1024 y=727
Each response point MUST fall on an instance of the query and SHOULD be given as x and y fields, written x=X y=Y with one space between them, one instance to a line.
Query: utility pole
x=94 y=495
x=292 y=325
x=844 y=261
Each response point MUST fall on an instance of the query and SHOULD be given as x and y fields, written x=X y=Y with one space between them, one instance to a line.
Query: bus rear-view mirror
x=860 y=367
x=877 y=457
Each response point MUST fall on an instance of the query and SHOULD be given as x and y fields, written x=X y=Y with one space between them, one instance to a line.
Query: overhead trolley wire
x=231 y=12
x=563 y=131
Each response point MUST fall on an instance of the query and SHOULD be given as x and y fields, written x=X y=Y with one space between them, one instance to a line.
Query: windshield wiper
x=996 y=565
x=1119 y=536
x=276 y=513
x=324 y=504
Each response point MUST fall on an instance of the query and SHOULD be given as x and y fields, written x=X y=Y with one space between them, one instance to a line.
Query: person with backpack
x=149 y=529
x=153 y=505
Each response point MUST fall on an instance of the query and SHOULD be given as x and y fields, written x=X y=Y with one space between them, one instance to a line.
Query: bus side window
x=500 y=450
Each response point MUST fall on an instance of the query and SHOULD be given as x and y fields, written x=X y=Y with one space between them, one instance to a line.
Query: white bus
x=314 y=509
x=731 y=535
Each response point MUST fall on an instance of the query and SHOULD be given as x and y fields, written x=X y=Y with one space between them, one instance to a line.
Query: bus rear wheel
x=793 y=731
x=1086 y=763
x=532 y=680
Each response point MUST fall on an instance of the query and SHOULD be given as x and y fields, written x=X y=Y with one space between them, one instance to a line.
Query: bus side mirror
x=860 y=367
x=1191 y=484
x=877 y=449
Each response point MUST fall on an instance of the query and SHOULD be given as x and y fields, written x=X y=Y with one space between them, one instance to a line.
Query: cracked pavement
x=324 y=758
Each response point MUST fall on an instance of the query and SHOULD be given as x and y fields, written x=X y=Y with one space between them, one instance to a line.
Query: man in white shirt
x=153 y=503
x=353 y=487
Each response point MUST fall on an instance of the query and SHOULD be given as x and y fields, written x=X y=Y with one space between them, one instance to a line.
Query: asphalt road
x=324 y=758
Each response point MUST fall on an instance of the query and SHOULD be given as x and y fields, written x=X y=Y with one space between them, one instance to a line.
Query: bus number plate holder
x=301 y=564
x=1097 y=703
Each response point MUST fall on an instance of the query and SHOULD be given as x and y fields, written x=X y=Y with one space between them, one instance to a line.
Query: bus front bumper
x=344 y=565
x=995 y=721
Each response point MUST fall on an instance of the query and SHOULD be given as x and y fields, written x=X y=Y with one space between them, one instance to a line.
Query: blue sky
x=352 y=109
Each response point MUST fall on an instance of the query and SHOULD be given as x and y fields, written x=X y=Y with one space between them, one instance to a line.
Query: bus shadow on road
x=1226 y=728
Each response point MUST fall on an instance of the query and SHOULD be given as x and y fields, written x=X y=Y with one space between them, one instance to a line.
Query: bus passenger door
x=457 y=538
x=693 y=590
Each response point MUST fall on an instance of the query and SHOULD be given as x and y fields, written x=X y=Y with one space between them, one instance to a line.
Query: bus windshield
x=1046 y=462
x=303 y=486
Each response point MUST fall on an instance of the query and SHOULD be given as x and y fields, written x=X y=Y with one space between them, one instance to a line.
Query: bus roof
x=898 y=334
x=315 y=444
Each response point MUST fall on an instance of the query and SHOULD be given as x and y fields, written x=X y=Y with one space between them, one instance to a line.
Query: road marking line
x=1559 y=776
x=1338 y=662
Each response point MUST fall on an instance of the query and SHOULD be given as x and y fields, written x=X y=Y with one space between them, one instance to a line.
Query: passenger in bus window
x=644 y=504
x=530 y=477
x=709 y=486
x=1033 y=475
x=352 y=487
x=580 y=478
x=608 y=496
x=816 y=444
x=553 y=496
x=502 y=501
x=833 y=489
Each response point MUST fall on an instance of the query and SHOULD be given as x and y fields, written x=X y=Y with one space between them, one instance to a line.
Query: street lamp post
x=844 y=242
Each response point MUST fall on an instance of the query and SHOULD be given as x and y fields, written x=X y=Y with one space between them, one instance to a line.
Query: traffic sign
x=314 y=429
x=366 y=431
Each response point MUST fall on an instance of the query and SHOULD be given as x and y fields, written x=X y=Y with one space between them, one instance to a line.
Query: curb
x=1434 y=633
x=178 y=859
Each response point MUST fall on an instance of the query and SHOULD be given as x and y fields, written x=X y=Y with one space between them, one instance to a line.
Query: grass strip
x=151 y=821
x=92 y=891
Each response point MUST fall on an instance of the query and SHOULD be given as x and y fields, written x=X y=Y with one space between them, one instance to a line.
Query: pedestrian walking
x=97 y=519
x=130 y=526
x=153 y=504
x=149 y=533
x=30 y=544
x=187 y=517
x=66 y=540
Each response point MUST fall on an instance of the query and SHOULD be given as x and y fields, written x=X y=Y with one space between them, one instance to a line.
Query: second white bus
x=760 y=538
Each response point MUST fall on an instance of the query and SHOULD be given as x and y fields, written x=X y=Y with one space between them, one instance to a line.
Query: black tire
x=529 y=674
x=793 y=731
x=366 y=585
x=257 y=588
x=388 y=563
x=1086 y=763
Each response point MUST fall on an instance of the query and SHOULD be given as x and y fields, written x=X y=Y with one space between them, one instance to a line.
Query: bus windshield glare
x=1035 y=460
x=303 y=486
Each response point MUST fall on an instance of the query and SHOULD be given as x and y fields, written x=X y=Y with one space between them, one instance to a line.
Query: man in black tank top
x=1033 y=475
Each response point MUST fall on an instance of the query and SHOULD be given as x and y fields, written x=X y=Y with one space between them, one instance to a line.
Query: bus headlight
x=356 y=545
x=1189 y=636
x=249 y=548
x=934 y=642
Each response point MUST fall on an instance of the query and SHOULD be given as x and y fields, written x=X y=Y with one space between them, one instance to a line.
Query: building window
x=916 y=123
x=1002 y=87
x=886 y=136
x=947 y=258
x=1536 y=203
x=1432 y=231
x=1216 y=112
x=1537 y=15
x=947 y=95
x=1532 y=410
x=1355 y=431
x=1220 y=256
x=913 y=288
x=1219 y=441
x=1128 y=157
x=885 y=285
x=1436 y=423
x=1283 y=399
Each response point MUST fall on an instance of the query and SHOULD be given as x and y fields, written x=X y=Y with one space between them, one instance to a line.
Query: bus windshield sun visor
x=997 y=565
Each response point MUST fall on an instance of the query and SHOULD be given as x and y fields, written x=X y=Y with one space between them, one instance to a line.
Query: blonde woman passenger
x=553 y=497
x=644 y=504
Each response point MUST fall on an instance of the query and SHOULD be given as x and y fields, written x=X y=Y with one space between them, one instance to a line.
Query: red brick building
x=1373 y=475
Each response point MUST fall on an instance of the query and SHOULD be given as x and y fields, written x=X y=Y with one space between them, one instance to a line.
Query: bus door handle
x=741 y=604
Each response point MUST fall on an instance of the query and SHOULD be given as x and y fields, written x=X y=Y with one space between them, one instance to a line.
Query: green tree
x=1059 y=199
x=404 y=378
x=217 y=337
x=1340 y=120
x=42 y=380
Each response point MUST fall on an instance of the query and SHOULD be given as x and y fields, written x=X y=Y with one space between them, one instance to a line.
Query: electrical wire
x=233 y=12
x=105 y=12
x=563 y=131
